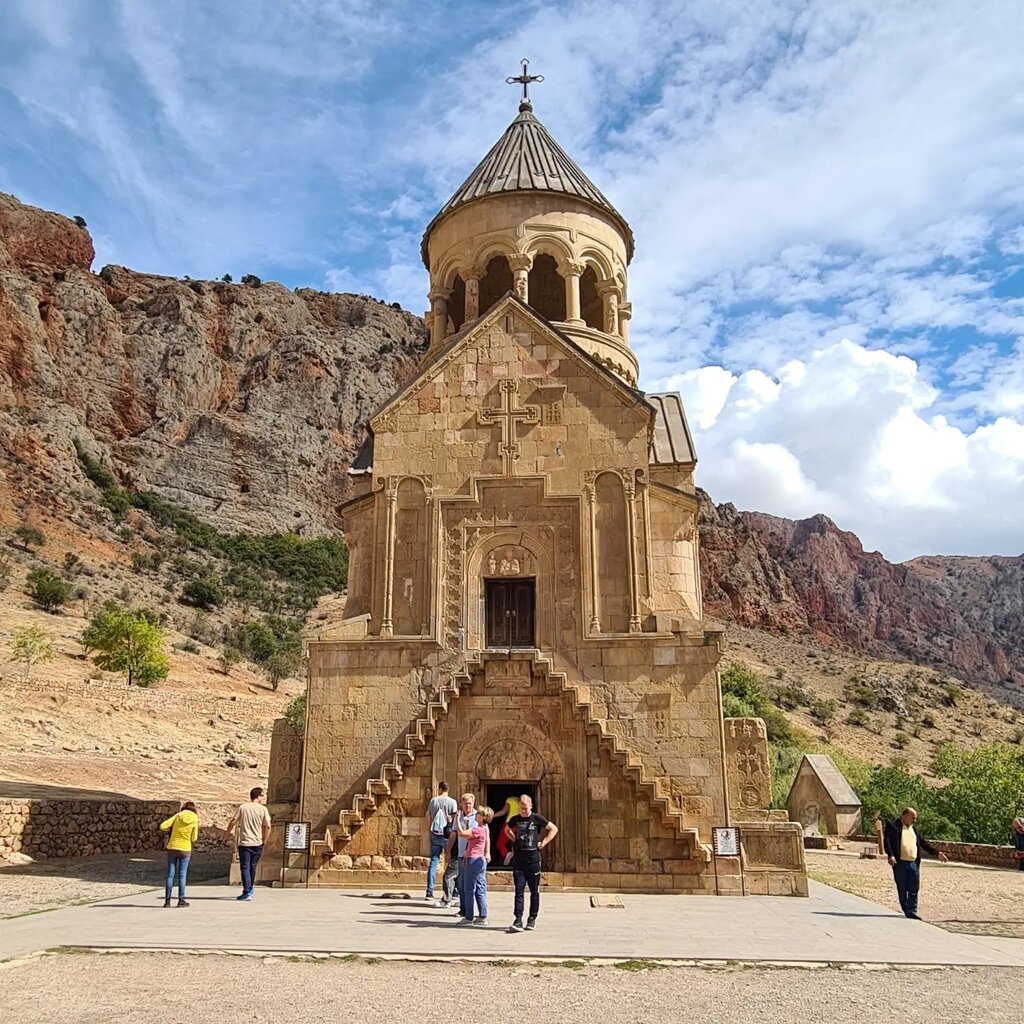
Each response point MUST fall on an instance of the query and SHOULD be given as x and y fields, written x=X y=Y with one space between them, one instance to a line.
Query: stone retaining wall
x=195 y=702
x=978 y=853
x=43 y=829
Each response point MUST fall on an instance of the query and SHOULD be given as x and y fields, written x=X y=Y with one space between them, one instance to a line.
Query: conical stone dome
x=526 y=158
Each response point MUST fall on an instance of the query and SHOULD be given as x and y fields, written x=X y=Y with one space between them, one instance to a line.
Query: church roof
x=527 y=158
x=673 y=443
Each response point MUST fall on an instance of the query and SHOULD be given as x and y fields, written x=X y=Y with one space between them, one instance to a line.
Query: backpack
x=441 y=822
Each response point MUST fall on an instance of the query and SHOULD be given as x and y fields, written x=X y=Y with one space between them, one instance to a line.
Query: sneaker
x=184 y=903
x=246 y=897
x=464 y=920
x=442 y=904
x=517 y=925
x=531 y=924
x=241 y=896
x=481 y=921
x=429 y=897
x=167 y=903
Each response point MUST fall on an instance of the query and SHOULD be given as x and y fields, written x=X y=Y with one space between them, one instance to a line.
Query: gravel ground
x=958 y=897
x=161 y=987
x=63 y=882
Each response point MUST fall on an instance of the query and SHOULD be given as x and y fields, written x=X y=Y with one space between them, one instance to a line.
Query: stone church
x=524 y=605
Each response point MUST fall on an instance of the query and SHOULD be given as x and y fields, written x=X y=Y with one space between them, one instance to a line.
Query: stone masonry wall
x=43 y=829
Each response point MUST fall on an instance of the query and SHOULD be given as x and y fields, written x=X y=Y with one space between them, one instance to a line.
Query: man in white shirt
x=253 y=823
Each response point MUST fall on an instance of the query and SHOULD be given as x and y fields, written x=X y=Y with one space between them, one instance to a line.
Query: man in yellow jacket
x=184 y=830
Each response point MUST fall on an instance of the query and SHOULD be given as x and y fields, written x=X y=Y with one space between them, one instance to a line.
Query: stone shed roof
x=840 y=792
x=526 y=158
x=673 y=443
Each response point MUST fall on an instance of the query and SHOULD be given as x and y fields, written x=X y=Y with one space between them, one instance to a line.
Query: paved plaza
x=830 y=926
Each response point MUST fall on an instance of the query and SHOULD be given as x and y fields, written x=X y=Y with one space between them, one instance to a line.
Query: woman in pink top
x=478 y=853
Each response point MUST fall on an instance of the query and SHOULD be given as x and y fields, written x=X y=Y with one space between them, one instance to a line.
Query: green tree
x=129 y=642
x=29 y=537
x=71 y=564
x=32 y=645
x=203 y=593
x=744 y=696
x=985 y=790
x=283 y=663
x=295 y=713
x=47 y=590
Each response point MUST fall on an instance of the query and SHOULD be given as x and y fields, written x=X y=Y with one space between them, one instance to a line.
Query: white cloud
x=852 y=433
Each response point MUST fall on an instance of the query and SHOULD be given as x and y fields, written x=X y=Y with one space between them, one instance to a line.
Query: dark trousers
x=523 y=876
x=448 y=881
x=248 y=858
x=908 y=883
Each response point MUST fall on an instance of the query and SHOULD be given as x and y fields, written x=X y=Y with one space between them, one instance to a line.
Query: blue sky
x=827 y=200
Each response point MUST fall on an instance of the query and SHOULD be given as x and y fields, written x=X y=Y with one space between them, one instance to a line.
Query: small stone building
x=821 y=799
x=524 y=606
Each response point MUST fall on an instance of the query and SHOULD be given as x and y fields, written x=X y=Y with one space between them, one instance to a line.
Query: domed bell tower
x=528 y=220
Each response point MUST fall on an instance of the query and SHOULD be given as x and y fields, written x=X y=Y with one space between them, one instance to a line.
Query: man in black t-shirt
x=529 y=833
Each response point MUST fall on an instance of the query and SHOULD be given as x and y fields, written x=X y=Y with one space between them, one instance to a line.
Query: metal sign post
x=725 y=842
x=296 y=840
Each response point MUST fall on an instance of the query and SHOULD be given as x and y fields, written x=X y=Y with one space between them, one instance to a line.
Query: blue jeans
x=177 y=864
x=476 y=887
x=437 y=845
x=248 y=858
x=908 y=883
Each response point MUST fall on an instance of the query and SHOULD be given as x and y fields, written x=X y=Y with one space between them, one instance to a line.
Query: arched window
x=547 y=288
x=457 y=304
x=496 y=281
x=591 y=306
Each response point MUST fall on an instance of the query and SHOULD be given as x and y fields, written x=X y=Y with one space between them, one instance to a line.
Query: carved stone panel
x=747 y=769
x=285 y=764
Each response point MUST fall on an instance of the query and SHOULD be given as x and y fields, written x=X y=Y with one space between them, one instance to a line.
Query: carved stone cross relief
x=507 y=417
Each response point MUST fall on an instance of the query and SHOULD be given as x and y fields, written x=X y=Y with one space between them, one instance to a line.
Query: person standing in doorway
x=478 y=853
x=903 y=844
x=253 y=823
x=465 y=819
x=529 y=834
x=184 y=831
x=440 y=812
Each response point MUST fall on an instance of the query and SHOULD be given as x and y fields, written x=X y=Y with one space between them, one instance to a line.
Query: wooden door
x=510 y=613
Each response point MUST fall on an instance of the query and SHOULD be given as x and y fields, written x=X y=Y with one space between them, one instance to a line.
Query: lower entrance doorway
x=496 y=794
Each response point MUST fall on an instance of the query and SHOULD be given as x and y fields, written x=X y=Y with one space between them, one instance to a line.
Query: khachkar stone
x=747 y=767
x=523 y=612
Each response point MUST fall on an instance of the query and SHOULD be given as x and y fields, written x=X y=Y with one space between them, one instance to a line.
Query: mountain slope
x=780 y=575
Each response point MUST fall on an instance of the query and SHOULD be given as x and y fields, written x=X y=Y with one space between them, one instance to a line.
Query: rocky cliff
x=775 y=574
x=242 y=402
x=246 y=402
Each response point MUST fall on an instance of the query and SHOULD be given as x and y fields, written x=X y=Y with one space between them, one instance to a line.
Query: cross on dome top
x=524 y=79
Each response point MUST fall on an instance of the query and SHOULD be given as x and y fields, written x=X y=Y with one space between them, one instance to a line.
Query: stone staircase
x=404 y=752
x=630 y=762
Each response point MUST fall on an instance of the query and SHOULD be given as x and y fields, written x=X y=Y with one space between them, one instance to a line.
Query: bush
x=47 y=590
x=985 y=789
x=951 y=693
x=29 y=537
x=203 y=593
x=902 y=740
x=252 y=280
x=229 y=656
x=862 y=695
x=743 y=696
x=295 y=713
x=226 y=279
x=284 y=662
x=928 y=720
x=823 y=712
x=79 y=220
x=859 y=718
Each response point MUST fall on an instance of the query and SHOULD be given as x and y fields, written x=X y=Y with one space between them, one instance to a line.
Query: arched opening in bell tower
x=546 y=288
x=496 y=281
x=457 y=304
x=591 y=306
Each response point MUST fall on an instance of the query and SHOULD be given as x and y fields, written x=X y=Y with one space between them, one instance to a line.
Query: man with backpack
x=440 y=811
